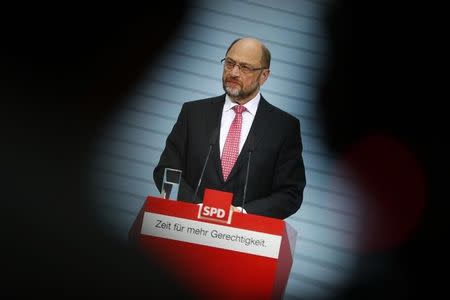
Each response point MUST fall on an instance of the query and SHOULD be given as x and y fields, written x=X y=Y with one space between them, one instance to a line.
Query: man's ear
x=263 y=77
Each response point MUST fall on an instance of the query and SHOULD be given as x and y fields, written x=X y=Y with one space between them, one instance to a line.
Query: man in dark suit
x=259 y=132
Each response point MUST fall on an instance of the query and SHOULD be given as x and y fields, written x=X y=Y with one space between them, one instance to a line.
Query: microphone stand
x=201 y=175
x=250 y=151
x=211 y=143
x=246 y=179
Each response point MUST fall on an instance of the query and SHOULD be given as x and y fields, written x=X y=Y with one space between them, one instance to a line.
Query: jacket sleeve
x=174 y=156
x=288 y=180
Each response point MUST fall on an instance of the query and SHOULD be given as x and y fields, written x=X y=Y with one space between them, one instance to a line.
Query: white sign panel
x=213 y=235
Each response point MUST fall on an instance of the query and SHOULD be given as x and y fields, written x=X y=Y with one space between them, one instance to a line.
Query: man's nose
x=235 y=71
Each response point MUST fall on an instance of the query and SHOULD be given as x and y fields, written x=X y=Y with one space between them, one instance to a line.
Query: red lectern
x=227 y=255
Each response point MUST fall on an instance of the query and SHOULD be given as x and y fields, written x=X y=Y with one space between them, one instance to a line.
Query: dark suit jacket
x=276 y=175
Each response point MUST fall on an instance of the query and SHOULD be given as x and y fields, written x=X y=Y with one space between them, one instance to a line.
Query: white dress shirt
x=247 y=120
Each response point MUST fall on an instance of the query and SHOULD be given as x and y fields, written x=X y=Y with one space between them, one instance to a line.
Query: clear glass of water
x=171 y=184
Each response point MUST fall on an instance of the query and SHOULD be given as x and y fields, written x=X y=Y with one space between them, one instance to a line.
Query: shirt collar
x=251 y=105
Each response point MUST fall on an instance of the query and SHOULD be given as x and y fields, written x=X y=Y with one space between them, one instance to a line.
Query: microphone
x=212 y=140
x=251 y=143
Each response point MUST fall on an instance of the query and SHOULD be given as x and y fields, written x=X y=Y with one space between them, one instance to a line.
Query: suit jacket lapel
x=259 y=125
x=213 y=119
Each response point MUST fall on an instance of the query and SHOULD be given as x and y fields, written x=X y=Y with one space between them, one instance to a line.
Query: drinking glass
x=171 y=184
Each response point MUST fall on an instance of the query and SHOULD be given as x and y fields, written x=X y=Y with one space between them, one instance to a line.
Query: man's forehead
x=246 y=51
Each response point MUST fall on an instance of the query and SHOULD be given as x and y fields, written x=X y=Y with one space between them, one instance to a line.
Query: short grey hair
x=265 y=58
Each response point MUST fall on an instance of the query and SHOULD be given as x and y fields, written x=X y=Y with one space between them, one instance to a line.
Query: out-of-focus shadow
x=384 y=120
x=64 y=69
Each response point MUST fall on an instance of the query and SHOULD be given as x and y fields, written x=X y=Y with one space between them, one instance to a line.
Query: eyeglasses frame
x=223 y=61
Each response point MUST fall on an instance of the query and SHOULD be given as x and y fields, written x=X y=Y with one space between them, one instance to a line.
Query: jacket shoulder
x=205 y=101
x=280 y=114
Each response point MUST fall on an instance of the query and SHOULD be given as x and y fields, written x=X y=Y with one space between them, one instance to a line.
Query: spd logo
x=216 y=206
x=213 y=212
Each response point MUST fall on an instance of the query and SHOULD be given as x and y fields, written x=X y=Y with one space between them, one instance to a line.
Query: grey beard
x=229 y=92
x=240 y=94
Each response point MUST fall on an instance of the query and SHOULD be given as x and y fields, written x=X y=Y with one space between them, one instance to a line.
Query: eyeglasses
x=229 y=64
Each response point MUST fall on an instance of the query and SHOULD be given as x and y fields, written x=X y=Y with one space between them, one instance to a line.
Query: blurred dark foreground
x=63 y=70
